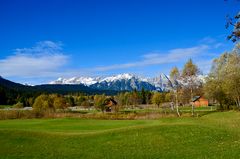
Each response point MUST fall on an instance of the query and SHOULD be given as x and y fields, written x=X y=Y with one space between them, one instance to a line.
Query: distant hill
x=12 y=85
x=10 y=91
x=73 y=88
x=49 y=88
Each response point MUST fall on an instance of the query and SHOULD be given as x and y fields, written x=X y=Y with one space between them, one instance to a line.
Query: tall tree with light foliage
x=223 y=82
x=99 y=102
x=190 y=79
x=158 y=98
x=175 y=76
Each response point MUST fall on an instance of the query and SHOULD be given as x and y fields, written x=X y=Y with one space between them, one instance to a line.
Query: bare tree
x=234 y=24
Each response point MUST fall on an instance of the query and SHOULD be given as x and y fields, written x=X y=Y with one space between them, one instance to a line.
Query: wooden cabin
x=110 y=104
x=199 y=101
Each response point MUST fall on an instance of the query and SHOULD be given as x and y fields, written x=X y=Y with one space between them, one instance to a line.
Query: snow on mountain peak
x=90 y=80
x=157 y=82
x=76 y=80
x=124 y=81
x=125 y=76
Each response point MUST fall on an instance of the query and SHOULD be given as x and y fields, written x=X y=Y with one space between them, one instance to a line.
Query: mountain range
x=120 y=82
x=10 y=91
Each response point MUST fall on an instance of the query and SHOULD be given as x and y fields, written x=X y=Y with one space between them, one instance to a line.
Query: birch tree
x=174 y=76
x=190 y=78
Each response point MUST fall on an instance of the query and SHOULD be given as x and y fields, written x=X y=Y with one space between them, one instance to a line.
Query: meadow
x=215 y=135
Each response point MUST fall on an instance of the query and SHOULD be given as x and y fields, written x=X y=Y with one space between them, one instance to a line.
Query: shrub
x=43 y=103
x=49 y=103
x=18 y=105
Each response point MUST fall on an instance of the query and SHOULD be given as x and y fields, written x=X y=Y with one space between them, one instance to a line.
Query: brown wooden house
x=110 y=104
x=199 y=101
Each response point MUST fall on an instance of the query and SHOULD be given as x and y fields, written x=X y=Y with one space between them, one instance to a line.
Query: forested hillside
x=11 y=92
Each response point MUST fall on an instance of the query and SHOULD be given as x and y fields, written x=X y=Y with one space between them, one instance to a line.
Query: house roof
x=110 y=99
x=113 y=101
x=195 y=98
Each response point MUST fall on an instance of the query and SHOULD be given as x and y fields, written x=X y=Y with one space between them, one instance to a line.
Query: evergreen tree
x=143 y=96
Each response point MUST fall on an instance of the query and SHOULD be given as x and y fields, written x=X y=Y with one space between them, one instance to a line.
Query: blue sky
x=41 y=40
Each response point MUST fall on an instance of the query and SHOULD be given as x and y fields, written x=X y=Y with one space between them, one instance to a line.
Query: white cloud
x=213 y=42
x=208 y=40
x=42 y=60
x=171 y=56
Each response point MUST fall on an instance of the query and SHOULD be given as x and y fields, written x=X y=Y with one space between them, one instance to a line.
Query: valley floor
x=216 y=135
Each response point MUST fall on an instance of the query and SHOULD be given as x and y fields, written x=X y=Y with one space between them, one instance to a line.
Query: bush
x=18 y=105
x=43 y=103
x=49 y=103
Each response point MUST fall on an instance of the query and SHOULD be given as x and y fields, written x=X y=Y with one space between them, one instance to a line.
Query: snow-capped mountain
x=120 y=82
x=123 y=82
x=196 y=80
x=125 y=76
x=76 y=80
x=161 y=82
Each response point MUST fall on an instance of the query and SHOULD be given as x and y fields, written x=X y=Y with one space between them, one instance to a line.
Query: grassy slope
x=216 y=135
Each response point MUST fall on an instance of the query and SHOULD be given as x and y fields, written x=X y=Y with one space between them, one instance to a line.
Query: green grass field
x=216 y=135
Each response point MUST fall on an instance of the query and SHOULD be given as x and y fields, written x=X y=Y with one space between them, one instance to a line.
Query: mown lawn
x=216 y=135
